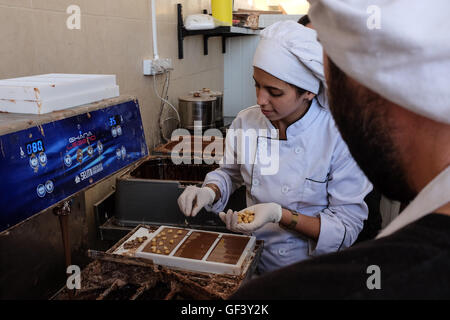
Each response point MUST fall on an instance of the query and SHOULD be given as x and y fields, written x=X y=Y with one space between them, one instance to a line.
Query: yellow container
x=222 y=10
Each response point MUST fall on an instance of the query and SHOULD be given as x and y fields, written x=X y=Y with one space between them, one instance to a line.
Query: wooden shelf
x=224 y=32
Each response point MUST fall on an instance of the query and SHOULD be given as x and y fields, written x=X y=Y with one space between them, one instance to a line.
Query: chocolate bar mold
x=199 y=265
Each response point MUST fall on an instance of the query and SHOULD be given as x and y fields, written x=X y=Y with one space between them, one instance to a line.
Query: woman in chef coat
x=308 y=199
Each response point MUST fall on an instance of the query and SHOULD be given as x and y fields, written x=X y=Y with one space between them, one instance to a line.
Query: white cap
x=290 y=52
x=398 y=49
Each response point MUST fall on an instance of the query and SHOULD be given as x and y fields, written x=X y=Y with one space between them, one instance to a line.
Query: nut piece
x=246 y=216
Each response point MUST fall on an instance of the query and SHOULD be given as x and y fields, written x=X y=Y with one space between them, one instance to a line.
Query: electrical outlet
x=158 y=66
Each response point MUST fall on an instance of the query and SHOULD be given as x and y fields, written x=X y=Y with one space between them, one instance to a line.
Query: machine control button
x=123 y=151
x=90 y=151
x=118 y=154
x=114 y=132
x=99 y=147
x=80 y=155
x=68 y=160
x=119 y=130
x=41 y=190
x=49 y=186
x=43 y=158
x=34 y=162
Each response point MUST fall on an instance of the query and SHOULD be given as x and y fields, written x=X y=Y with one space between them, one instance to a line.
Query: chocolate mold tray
x=198 y=250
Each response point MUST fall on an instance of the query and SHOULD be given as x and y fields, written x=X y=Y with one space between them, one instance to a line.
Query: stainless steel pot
x=197 y=107
x=219 y=105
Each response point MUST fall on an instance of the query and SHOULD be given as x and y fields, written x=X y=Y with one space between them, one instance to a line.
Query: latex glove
x=193 y=199
x=264 y=213
x=230 y=219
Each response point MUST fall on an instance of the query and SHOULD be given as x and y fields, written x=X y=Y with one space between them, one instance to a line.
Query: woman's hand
x=193 y=199
x=264 y=213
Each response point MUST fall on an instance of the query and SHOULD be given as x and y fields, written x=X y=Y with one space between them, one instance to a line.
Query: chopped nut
x=246 y=216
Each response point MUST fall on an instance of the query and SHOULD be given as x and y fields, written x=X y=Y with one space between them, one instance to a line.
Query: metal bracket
x=224 y=32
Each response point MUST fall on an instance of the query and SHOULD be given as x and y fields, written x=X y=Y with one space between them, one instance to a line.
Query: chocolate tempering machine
x=48 y=161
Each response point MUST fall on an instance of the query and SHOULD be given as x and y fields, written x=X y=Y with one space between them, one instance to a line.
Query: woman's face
x=278 y=99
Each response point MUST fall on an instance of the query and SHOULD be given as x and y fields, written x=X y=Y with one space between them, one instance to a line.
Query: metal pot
x=197 y=107
x=219 y=105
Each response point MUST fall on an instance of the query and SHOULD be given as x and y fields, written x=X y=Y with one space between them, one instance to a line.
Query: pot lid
x=197 y=97
x=209 y=92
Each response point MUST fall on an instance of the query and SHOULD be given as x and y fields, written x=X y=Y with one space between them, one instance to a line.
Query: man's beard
x=362 y=117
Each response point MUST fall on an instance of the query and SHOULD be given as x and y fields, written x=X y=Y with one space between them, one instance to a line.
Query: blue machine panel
x=43 y=165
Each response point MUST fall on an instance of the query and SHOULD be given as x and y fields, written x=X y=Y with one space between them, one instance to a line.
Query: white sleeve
x=343 y=219
x=228 y=176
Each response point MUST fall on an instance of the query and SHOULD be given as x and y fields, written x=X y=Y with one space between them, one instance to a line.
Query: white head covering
x=290 y=52
x=399 y=49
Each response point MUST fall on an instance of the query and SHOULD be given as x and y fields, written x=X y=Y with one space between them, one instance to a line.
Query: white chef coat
x=317 y=176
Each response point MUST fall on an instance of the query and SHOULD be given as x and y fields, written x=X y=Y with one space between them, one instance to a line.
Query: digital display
x=35 y=147
x=115 y=120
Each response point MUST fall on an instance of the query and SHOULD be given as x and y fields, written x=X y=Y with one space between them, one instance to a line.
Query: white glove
x=193 y=199
x=230 y=219
x=264 y=213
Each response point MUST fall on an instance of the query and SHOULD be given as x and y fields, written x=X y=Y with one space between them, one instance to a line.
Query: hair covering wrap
x=290 y=52
x=398 y=49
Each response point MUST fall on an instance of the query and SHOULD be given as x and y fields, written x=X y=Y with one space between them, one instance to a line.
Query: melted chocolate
x=196 y=245
x=165 y=169
x=229 y=249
